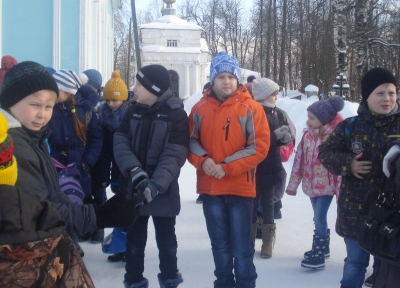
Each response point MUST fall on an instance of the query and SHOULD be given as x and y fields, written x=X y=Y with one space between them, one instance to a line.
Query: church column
x=195 y=87
x=187 y=80
x=203 y=77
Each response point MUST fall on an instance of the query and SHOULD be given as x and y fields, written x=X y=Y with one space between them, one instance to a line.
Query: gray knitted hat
x=326 y=110
x=262 y=88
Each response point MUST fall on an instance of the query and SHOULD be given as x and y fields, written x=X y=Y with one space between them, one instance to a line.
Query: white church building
x=178 y=46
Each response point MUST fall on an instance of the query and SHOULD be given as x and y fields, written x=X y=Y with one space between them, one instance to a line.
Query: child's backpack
x=287 y=151
x=68 y=180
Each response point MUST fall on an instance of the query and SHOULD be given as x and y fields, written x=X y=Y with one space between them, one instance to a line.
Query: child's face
x=383 y=99
x=114 y=104
x=143 y=96
x=63 y=96
x=272 y=98
x=35 y=110
x=225 y=84
x=312 y=121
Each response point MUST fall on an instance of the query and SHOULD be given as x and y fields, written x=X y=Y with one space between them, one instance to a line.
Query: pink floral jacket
x=316 y=180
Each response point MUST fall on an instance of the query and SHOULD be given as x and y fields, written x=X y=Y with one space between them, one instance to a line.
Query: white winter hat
x=262 y=88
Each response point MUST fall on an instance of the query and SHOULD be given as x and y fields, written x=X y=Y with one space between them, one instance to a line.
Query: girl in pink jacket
x=317 y=182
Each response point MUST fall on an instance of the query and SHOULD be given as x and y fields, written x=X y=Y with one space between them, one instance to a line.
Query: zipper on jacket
x=226 y=128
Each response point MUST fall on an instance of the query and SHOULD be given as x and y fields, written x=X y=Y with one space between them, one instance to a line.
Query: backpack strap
x=349 y=129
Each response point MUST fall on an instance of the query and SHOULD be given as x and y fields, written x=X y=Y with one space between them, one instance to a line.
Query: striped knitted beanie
x=67 y=81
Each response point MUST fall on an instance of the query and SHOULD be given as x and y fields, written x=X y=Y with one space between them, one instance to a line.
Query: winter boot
x=170 y=283
x=254 y=227
x=327 y=253
x=268 y=239
x=142 y=284
x=96 y=236
x=369 y=282
x=316 y=260
x=260 y=221
x=117 y=257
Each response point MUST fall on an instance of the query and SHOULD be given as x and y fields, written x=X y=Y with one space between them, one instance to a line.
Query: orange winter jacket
x=234 y=133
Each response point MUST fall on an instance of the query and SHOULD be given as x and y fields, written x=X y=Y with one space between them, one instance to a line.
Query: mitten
x=287 y=137
x=149 y=192
x=117 y=212
x=138 y=175
x=281 y=131
x=291 y=193
x=390 y=157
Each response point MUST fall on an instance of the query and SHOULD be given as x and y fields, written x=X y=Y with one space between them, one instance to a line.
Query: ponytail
x=80 y=128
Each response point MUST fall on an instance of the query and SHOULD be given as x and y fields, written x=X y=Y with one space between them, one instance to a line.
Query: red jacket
x=234 y=133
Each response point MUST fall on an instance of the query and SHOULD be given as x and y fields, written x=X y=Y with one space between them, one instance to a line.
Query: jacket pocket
x=226 y=128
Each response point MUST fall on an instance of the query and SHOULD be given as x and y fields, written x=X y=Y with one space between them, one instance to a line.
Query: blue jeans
x=136 y=244
x=320 y=206
x=228 y=220
x=355 y=264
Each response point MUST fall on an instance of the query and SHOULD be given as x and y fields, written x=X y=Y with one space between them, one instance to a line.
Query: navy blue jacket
x=64 y=138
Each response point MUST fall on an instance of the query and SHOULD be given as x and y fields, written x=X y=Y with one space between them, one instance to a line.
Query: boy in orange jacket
x=229 y=137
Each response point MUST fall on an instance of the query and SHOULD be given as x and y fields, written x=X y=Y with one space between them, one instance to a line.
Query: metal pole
x=136 y=36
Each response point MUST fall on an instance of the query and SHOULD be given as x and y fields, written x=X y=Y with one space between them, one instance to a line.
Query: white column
x=203 y=77
x=195 y=87
x=187 y=80
x=56 y=34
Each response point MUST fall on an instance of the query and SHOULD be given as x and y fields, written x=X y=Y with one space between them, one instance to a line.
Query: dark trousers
x=265 y=197
x=136 y=244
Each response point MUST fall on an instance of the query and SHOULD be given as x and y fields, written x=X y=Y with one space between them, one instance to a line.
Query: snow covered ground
x=294 y=235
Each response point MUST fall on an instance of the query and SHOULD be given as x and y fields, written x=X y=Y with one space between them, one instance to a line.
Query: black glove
x=117 y=212
x=147 y=190
x=138 y=175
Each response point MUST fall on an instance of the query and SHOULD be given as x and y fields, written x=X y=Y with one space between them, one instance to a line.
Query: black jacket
x=372 y=134
x=156 y=139
x=37 y=176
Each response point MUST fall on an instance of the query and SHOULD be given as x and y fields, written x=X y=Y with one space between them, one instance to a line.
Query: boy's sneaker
x=170 y=283
x=369 y=282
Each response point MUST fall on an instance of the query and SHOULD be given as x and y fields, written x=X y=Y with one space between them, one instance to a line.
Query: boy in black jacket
x=150 y=147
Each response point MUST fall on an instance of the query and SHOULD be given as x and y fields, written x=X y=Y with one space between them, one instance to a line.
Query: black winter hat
x=23 y=80
x=155 y=78
x=374 y=78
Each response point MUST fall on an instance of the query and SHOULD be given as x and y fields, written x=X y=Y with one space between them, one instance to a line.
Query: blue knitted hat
x=92 y=77
x=224 y=63
x=326 y=110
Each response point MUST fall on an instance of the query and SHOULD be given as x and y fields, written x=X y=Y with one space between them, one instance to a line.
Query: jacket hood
x=86 y=97
x=12 y=121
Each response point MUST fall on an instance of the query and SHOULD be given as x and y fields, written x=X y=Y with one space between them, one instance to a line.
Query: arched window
x=174 y=78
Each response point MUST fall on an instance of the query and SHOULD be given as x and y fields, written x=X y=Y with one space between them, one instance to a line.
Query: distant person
x=265 y=91
x=355 y=151
x=32 y=230
x=317 y=182
x=150 y=148
x=93 y=78
x=206 y=86
x=229 y=138
x=110 y=114
x=76 y=136
x=7 y=62
x=249 y=84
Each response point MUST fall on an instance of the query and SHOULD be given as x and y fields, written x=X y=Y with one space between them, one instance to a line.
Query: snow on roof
x=164 y=49
x=170 y=22
x=311 y=88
